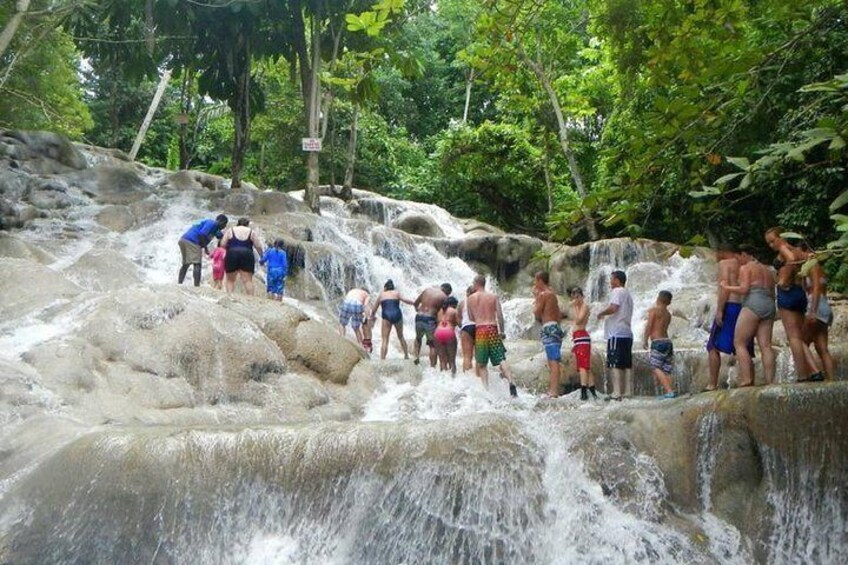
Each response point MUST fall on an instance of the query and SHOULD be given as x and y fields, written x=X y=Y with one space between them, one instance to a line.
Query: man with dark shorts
x=728 y=307
x=193 y=243
x=484 y=309
x=619 y=337
x=547 y=312
x=426 y=307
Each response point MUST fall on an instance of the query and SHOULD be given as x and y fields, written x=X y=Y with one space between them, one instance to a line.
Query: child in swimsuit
x=218 y=256
x=445 y=335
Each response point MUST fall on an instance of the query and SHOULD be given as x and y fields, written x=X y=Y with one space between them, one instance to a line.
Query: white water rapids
x=433 y=470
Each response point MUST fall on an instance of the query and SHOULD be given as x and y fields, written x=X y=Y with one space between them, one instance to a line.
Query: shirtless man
x=351 y=311
x=756 y=286
x=484 y=309
x=427 y=305
x=547 y=312
x=662 y=350
x=582 y=343
x=728 y=307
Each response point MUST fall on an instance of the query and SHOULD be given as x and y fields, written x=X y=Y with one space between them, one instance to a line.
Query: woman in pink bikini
x=445 y=335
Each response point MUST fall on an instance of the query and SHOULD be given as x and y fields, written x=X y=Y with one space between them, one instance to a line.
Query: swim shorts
x=552 y=341
x=793 y=298
x=620 y=352
x=582 y=349
x=662 y=355
x=424 y=327
x=488 y=346
x=824 y=313
x=350 y=311
x=721 y=337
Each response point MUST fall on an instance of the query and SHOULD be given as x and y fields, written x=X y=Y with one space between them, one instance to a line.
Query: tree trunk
x=185 y=108
x=241 y=108
x=347 y=190
x=469 y=80
x=151 y=111
x=563 y=137
x=314 y=120
x=12 y=25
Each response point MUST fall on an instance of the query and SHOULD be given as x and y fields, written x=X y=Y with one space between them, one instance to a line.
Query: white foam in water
x=266 y=549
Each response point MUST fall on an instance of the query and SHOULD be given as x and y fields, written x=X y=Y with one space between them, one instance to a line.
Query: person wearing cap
x=193 y=244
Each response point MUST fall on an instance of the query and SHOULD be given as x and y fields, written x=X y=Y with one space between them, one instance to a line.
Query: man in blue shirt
x=195 y=240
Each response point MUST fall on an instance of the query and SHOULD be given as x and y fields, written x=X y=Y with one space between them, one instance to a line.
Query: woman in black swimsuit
x=240 y=242
x=389 y=301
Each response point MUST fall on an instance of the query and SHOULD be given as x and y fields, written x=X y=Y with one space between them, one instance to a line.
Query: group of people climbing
x=745 y=312
x=233 y=257
x=750 y=296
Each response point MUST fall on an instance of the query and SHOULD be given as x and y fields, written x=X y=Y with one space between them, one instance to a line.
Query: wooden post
x=151 y=111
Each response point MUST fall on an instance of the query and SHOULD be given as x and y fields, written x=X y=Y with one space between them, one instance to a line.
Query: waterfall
x=102 y=458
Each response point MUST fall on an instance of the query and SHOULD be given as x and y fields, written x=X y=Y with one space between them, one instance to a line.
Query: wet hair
x=664 y=296
x=222 y=220
x=725 y=247
x=621 y=276
x=480 y=281
x=450 y=302
x=543 y=276
x=575 y=290
x=279 y=244
x=390 y=285
x=470 y=290
x=243 y=222
x=751 y=250
x=446 y=288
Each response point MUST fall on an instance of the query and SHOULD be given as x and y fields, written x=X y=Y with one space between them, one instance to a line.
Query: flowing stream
x=434 y=470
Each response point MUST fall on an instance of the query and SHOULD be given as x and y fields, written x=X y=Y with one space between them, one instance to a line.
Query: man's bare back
x=430 y=300
x=659 y=319
x=484 y=309
x=728 y=270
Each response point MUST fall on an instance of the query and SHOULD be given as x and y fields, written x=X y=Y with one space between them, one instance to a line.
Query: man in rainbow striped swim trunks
x=484 y=309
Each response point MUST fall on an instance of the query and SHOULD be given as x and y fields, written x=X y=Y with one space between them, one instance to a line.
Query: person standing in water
x=484 y=309
x=619 y=336
x=278 y=266
x=791 y=299
x=582 y=343
x=662 y=350
x=218 y=256
x=819 y=317
x=388 y=301
x=427 y=305
x=240 y=241
x=728 y=307
x=466 y=332
x=547 y=312
x=445 y=335
x=756 y=286
x=351 y=311
x=195 y=241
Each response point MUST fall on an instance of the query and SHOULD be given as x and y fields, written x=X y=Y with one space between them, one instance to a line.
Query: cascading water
x=432 y=469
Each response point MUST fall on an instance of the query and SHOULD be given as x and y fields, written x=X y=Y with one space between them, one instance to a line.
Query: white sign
x=311 y=143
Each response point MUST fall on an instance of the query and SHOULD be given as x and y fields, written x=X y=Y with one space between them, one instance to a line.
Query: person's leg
x=663 y=378
x=441 y=354
x=399 y=332
x=820 y=341
x=246 y=282
x=385 y=333
x=230 y=282
x=617 y=378
x=196 y=273
x=553 y=378
x=467 y=350
x=433 y=355
x=764 y=331
x=793 y=323
x=183 y=272
x=746 y=327
x=483 y=373
x=451 y=356
x=714 y=358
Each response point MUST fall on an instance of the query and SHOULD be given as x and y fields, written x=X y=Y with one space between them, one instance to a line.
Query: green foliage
x=39 y=88
x=492 y=172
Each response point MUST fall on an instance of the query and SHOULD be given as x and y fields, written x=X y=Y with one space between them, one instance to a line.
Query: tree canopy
x=692 y=121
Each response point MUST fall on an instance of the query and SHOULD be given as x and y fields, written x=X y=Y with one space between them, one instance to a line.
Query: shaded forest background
x=691 y=121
